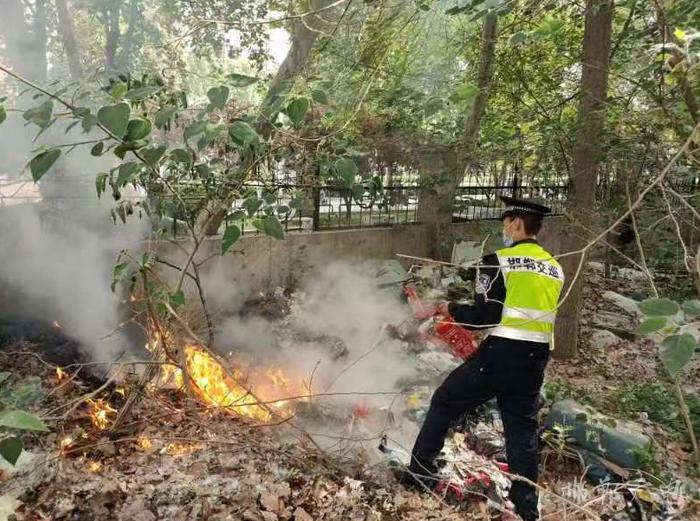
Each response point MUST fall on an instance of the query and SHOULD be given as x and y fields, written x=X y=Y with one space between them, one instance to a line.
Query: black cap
x=523 y=206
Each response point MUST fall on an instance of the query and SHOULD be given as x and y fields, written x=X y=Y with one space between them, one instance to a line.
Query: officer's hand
x=443 y=308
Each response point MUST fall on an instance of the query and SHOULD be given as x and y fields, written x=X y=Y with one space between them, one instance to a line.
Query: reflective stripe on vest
x=533 y=280
x=529 y=314
x=520 y=334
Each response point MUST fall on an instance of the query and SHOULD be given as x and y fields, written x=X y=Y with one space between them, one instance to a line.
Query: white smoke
x=343 y=302
x=59 y=244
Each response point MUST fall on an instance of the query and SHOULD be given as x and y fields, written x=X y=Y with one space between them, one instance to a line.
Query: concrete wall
x=261 y=263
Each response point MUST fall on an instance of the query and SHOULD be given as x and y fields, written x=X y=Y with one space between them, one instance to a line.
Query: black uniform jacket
x=489 y=296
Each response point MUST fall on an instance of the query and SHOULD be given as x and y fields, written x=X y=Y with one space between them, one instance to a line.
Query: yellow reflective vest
x=533 y=281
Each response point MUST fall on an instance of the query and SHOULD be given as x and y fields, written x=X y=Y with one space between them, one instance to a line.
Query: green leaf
x=118 y=91
x=650 y=325
x=243 y=134
x=141 y=93
x=691 y=308
x=41 y=115
x=270 y=225
x=296 y=110
x=319 y=96
x=549 y=27
x=676 y=352
x=123 y=209
x=241 y=80
x=137 y=129
x=252 y=205
x=432 y=106
x=4 y=375
x=10 y=449
x=346 y=170
x=22 y=420
x=517 y=38
x=195 y=128
x=655 y=307
x=115 y=118
x=177 y=299
x=211 y=132
x=238 y=215
x=163 y=116
x=121 y=150
x=97 y=149
x=81 y=112
x=100 y=184
x=88 y=122
x=457 y=9
x=70 y=127
x=465 y=92
x=680 y=34
x=203 y=170
x=118 y=273
x=41 y=163
x=153 y=154
x=126 y=173
x=218 y=96
x=3 y=114
x=180 y=155
x=231 y=235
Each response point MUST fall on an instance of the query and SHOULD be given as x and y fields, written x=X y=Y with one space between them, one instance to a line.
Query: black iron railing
x=304 y=208
x=483 y=202
x=301 y=208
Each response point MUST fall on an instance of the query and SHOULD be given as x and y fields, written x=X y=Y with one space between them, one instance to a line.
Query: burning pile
x=259 y=394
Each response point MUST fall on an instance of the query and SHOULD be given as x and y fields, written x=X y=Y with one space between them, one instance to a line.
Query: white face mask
x=507 y=241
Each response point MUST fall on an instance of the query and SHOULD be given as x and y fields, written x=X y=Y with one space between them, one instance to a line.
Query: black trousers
x=512 y=371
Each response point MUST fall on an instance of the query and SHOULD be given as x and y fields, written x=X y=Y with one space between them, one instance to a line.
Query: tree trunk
x=40 y=42
x=70 y=45
x=484 y=79
x=303 y=39
x=112 y=15
x=439 y=185
x=14 y=29
x=127 y=41
x=586 y=161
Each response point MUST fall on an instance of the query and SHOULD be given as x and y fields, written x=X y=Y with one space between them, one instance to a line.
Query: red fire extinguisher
x=458 y=338
x=444 y=331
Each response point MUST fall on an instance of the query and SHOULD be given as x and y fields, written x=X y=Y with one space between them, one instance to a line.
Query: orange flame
x=65 y=443
x=215 y=387
x=60 y=374
x=180 y=449
x=144 y=442
x=93 y=466
x=100 y=412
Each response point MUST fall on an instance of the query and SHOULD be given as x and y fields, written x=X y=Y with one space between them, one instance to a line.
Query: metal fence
x=332 y=207
x=329 y=207
x=483 y=202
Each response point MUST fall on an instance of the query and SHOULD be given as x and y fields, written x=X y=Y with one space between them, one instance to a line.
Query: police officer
x=516 y=295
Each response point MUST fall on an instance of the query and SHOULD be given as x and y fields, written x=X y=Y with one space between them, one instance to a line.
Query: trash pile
x=169 y=464
x=472 y=469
